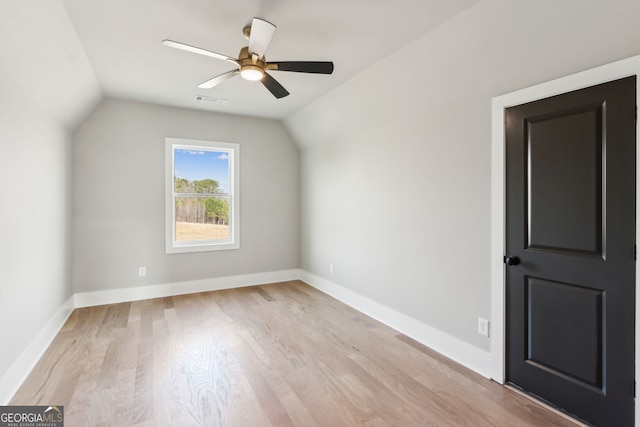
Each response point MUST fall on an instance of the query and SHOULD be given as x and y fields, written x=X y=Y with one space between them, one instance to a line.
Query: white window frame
x=233 y=242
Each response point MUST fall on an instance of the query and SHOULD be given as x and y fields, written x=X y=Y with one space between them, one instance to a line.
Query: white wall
x=34 y=223
x=395 y=163
x=118 y=206
x=46 y=87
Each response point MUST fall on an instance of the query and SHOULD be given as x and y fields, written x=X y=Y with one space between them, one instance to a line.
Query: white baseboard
x=454 y=348
x=18 y=372
x=114 y=296
x=460 y=351
x=22 y=367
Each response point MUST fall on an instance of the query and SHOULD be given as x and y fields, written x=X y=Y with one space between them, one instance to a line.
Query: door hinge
x=635 y=115
x=635 y=252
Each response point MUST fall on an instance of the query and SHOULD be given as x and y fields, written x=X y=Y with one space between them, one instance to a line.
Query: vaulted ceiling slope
x=67 y=54
x=41 y=53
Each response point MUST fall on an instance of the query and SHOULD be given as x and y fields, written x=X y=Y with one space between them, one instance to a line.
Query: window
x=201 y=195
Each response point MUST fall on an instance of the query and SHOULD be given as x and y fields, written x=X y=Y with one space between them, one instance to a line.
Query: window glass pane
x=199 y=172
x=202 y=218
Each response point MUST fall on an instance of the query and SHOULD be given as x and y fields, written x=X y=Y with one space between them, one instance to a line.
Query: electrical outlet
x=483 y=326
x=142 y=271
x=330 y=268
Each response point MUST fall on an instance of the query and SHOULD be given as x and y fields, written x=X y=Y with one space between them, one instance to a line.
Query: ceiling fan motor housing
x=251 y=66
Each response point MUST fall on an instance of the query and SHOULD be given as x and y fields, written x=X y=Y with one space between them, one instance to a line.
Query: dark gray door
x=570 y=271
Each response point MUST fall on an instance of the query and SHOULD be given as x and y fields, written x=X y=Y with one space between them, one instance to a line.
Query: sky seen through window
x=199 y=164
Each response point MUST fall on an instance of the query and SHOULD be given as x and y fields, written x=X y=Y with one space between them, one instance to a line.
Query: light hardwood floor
x=283 y=354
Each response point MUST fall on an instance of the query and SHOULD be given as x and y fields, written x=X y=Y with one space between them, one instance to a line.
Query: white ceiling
x=122 y=43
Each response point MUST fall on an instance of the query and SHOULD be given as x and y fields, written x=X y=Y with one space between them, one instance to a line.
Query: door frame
x=624 y=68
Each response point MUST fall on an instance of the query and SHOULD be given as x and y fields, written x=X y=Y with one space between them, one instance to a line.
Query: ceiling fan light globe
x=252 y=73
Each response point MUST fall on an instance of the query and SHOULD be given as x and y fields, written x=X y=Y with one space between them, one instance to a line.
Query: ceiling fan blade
x=318 y=67
x=199 y=51
x=260 y=36
x=218 y=79
x=274 y=87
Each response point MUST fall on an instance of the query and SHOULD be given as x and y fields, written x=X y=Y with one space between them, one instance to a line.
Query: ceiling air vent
x=217 y=101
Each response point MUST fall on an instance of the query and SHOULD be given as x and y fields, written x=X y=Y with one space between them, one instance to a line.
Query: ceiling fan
x=251 y=61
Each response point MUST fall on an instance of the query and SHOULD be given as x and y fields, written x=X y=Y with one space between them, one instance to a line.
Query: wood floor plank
x=281 y=354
